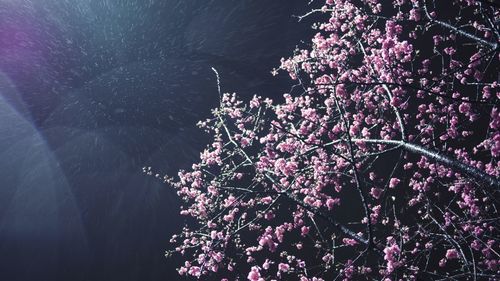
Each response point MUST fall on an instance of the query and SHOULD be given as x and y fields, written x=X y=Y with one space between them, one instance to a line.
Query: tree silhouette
x=380 y=163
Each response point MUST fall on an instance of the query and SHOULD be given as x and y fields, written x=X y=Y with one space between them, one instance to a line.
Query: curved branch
x=473 y=172
x=459 y=31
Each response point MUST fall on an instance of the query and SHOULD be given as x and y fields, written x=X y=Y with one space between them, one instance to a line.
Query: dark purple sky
x=92 y=91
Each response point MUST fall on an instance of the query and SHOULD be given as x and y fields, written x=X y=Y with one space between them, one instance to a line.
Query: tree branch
x=475 y=173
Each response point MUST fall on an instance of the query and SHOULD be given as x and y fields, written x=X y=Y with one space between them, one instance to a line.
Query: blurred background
x=91 y=91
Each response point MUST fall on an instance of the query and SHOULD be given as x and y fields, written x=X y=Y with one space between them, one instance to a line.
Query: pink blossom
x=330 y=203
x=391 y=253
x=304 y=230
x=451 y=254
x=414 y=15
x=394 y=182
x=266 y=200
x=464 y=107
x=255 y=102
x=376 y=192
x=254 y=274
x=283 y=267
x=349 y=241
x=195 y=271
x=266 y=264
x=385 y=95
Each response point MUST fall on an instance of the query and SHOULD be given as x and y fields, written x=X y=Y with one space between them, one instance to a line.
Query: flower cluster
x=384 y=165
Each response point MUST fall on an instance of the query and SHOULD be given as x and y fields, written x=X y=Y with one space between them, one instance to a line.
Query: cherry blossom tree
x=381 y=163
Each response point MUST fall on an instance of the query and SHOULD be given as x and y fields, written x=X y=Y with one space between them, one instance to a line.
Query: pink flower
x=464 y=107
x=437 y=39
x=254 y=274
x=476 y=245
x=451 y=254
x=393 y=182
x=195 y=271
x=267 y=239
x=327 y=258
x=304 y=230
x=414 y=15
x=218 y=256
x=376 y=192
x=229 y=217
x=391 y=252
x=283 y=267
x=269 y=215
x=266 y=200
x=255 y=102
x=266 y=264
x=349 y=241
x=450 y=51
x=330 y=203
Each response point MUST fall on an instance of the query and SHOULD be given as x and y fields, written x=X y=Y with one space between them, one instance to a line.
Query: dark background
x=91 y=91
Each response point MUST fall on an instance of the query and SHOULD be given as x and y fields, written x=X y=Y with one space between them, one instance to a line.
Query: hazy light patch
x=38 y=211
